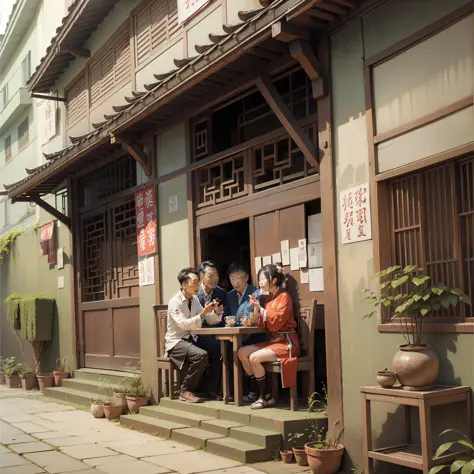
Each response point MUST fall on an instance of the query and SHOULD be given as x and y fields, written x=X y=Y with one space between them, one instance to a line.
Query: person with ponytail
x=278 y=317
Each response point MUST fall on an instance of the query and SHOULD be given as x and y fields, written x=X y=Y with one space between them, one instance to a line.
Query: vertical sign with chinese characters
x=355 y=214
x=49 y=120
x=187 y=8
x=145 y=208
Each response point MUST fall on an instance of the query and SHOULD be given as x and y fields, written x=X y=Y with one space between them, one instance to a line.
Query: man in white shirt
x=185 y=313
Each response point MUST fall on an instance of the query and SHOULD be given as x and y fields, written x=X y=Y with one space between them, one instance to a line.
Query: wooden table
x=234 y=334
x=408 y=455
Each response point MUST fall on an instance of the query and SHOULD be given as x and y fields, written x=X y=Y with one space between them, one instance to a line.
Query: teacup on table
x=230 y=320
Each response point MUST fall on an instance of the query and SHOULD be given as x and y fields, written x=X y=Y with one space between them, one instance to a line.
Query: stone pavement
x=41 y=436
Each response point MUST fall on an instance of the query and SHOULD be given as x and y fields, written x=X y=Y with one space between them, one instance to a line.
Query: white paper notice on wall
x=188 y=8
x=315 y=255
x=146 y=271
x=258 y=264
x=276 y=258
x=302 y=253
x=267 y=260
x=60 y=258
x=314 y=229
x=316 y=281
x=173 y=204
x=304 y=276
x=294 y=259
x=354 y=210
x=61 y=282
x=285 y=252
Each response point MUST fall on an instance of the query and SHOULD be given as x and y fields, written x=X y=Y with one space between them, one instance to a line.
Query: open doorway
x=225 y=244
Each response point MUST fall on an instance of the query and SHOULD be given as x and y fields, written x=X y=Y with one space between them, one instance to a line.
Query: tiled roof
x=139 y=104
x=10 y=17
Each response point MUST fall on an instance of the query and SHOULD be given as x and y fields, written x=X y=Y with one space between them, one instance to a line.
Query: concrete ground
x=39 y=436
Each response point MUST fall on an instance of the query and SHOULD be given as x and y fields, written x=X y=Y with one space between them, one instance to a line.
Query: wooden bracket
x=287 y=32
x=304 y=54
x=77 y=52
x=50 y=209
x=135 y=150
x=284 y=115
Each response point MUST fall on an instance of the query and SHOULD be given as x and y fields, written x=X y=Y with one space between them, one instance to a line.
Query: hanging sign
x=49 y=120
x=187 y=8
x=355 y=214
x=146 y=271
x=47 y=243
x=145 y=209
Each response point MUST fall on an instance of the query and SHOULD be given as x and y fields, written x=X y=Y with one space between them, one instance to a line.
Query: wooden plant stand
x=409 y=455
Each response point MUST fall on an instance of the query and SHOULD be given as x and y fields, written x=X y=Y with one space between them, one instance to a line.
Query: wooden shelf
x=409 y=456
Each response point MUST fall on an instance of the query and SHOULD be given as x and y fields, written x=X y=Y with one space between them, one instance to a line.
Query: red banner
x=145 y=208
x=47 y=242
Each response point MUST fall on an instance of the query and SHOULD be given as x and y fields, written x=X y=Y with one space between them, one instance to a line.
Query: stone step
x=91 y=386
x=239 y=450
x=198 y=408
x=107 y=377
x=220 y=426
x=258 y=436
x=69 y=395
x=195 y=437
x=150 y=425
x=177 y=416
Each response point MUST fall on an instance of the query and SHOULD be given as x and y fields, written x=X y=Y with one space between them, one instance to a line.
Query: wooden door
x=109 y=297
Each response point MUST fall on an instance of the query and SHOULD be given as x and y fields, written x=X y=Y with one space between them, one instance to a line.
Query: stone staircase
x=237 y=433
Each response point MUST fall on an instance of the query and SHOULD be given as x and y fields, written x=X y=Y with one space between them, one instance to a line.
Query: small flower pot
x=386 y=378
x=28 y=381
x=59 y=377
x=286 y=455
x=324 y=461
x=112 y=410
x=97 y=410
x=134 y=403
x=120 y=399
x=2 y=378
x=300 y=456
x=13 y=381
x=45 y=381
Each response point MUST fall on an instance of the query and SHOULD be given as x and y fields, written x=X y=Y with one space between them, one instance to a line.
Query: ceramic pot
x=324 y=461
x=417 y=367
x=286 y=456
x=28 y=381
x=2 y=378
x=59 y=377
x=120 y=399
x=300 y=456
x=134 y=403
x=97 y=410
x=45 y=381
x=112 y=410
x=386 y=378
x=13 y=381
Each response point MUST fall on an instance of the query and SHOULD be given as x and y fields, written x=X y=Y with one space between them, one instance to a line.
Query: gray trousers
x=192 y=361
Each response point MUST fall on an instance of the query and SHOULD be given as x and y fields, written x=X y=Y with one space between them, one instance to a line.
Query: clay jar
x=112 y=410
x=386 y=378
x=134 y=403
x=300 y=456
x=417 y=367
x=286 y=455
x=324 y=461
x=97 y=410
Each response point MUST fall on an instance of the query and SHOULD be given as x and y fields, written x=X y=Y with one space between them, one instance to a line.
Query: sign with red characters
x=355 y=214
x=145 y=208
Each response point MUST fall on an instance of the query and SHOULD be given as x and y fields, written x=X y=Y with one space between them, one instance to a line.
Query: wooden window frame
x=26 y=68
x=5 y=98
x=70 y=124
x=379 y=183
x=22 y=146
x=8 y=149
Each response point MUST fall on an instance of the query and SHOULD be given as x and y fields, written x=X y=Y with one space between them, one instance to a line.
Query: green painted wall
x=364 y=350
x=25 y=271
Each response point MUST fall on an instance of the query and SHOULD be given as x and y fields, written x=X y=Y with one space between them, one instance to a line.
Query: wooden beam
x=51 y=210
x=284 y=115
x=287 y=32
x=304 y=54
x=135 y=150
x=77 y=52
x=47 y=97
x=323 y=15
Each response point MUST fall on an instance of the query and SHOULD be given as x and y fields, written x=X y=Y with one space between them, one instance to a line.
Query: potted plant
x=325 y=453
x=465 y=464
x=28 y=377
x=45 y=380
x=112 y=410
x=60 y=373
x=119 y=397
x=2 y=372
x=136 y=393
x=286 y=455
x=410 y=296
x=97 y=408
x=12 y=372
x=299 y=451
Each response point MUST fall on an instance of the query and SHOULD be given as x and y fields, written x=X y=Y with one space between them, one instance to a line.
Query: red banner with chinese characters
x=47 y=242
x=145 y=209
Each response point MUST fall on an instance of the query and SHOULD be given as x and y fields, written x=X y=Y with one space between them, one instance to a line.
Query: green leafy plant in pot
x=60 y=373
x=410 y=297
x=12 y=370
x=136 y=393
x=464 y=464
x=28 y=377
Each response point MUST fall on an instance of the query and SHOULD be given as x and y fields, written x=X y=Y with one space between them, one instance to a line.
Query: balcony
x=15 y=106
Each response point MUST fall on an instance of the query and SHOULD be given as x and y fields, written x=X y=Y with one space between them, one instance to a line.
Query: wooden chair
x=165 y=365
x=306 y=326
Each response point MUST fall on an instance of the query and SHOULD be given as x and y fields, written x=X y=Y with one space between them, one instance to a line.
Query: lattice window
x=8 y=148
x=60 y=201
x=23 y=134
x=155 y=25
x=76 y=97
x=280 y=161
x=94 y=255
x=107 y=181
x=26 y=68
x=111 y=68
x=432 y=219
x=201 y=140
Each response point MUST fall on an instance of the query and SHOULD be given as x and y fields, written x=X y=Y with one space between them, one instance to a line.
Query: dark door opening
x=226 y=244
